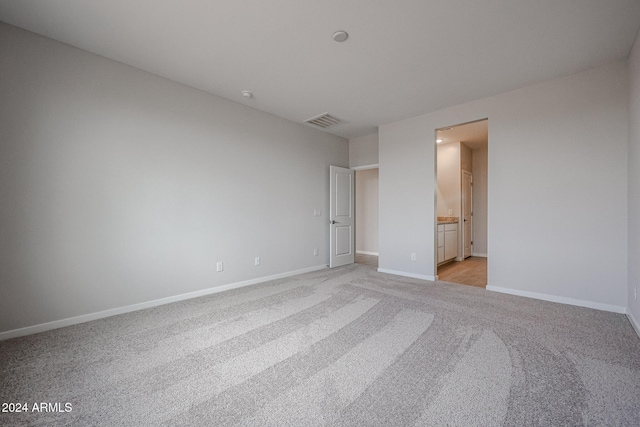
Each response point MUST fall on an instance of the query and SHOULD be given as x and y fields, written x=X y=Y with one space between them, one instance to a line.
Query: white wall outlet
x=317 y=212
x=413 y=256
x=315 y=251
x=450 y=211
x=257 y=260
x=219 y=266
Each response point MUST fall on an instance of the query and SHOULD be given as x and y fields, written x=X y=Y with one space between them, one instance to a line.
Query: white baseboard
x=562 y=300
x=479 y=254
x=367 y=253
x=140 y=306
x=634 y=322
x=405 y=274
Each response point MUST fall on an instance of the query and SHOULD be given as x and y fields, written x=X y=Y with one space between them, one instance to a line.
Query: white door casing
x=467 y=214
x=341 y=216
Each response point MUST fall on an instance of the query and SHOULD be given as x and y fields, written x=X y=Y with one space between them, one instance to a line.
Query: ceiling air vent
x=324 y=121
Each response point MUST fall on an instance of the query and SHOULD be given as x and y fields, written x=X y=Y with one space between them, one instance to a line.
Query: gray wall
x=119 y=187
x=557 y=181
x=634 y=186
x=363 y=151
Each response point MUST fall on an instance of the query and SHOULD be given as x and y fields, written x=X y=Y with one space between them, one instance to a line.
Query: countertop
x=447 y=220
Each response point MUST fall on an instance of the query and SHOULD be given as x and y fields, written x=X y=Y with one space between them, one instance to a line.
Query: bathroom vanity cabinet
x=447 y=242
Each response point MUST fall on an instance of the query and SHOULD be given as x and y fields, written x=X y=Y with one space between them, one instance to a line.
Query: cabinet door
x=450 y=244
x=440 y=254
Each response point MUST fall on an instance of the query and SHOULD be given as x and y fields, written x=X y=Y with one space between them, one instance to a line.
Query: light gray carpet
x=349 y=346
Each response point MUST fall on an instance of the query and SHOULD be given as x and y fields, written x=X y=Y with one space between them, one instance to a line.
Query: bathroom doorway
x=461 y=203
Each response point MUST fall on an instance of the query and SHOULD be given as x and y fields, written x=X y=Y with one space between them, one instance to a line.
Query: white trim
x=140 y=306
x=365 y=167
x=405 y=274
x=634 y=322
x=478 y=254
x=367 y=253
x=561 y=300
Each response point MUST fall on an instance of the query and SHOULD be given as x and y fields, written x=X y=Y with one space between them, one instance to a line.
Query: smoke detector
x=340 y=36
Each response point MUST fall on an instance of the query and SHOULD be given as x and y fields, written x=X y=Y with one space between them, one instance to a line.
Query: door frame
x=435 y=192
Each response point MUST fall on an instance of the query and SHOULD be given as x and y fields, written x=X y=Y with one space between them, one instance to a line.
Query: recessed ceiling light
x=439 y=140
x=340 y=36
x=247 y=94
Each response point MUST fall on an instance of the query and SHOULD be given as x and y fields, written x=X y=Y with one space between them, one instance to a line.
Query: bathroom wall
x=452 y=158
x=466 y=162
x=448 y=184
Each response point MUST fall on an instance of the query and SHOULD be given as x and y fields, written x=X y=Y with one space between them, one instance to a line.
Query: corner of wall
x=634 y=322
x=633 y=186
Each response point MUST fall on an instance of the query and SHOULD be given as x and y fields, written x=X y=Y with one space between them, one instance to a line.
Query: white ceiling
x=474 y=135
x=403 y=58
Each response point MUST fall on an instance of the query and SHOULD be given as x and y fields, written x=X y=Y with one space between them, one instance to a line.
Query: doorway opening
x=367 y=215
x=461 y=203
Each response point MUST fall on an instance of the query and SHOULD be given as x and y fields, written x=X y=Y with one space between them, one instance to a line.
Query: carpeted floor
x=342 y=347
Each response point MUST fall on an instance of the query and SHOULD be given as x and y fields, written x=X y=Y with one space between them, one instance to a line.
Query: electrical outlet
x=315 y=251
x=257 y=261
x=219 y=266
x=450 y=211
x=413 y=256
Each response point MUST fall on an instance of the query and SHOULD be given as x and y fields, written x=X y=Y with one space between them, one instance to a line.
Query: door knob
x=333 y=222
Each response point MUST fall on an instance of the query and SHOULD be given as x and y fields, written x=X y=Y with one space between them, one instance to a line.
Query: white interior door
x=467 y=214
x=341 y=216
